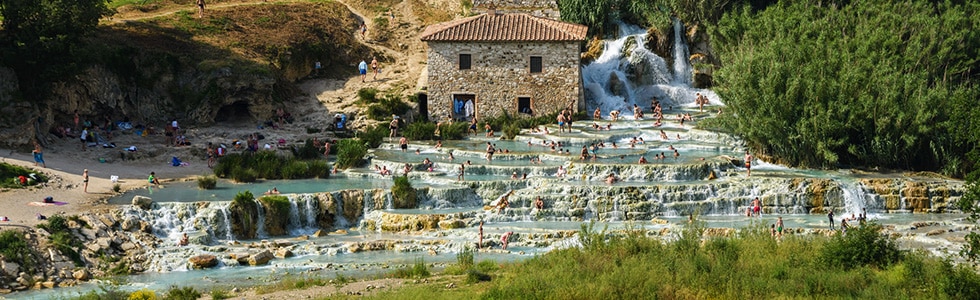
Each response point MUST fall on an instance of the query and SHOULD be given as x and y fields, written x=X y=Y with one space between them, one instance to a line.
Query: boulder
x=242 y=258
x=130 y=223
x=143 y=202
x=319 y=233
x=48 y=284
x=203 y=261
x=260 y=258
x=10 y=268
x=283 y=253
x=81 y=275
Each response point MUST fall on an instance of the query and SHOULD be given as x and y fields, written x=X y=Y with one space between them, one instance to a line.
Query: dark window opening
x=524 y=105
x=464 y=61
x=535 y=64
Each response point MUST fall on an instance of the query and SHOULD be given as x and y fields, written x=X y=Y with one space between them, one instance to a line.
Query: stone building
x=518 y=63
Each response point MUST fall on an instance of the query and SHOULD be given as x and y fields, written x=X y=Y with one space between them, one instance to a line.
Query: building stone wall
x=537 y=8
x=500 y=73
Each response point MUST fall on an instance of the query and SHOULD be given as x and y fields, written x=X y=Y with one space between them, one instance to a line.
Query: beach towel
x=175 y=161
x=39 y=203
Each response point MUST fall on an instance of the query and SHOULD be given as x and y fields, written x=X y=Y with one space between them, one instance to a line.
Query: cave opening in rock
x=235 y=112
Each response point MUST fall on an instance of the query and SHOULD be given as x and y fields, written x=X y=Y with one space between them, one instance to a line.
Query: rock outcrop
x=260 y=258
x=203 y=261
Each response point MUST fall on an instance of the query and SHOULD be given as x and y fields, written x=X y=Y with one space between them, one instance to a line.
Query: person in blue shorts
x=362 y=67
x=38 y=155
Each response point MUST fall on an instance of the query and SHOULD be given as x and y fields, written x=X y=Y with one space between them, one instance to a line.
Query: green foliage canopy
x=866 y=83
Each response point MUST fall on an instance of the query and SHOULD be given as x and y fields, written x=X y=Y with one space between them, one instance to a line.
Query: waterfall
x=341 y=221
x=260 y=227
x=628 y=73
x=229 y=235
x=854 y=198
x=295 y=224
x=682 y=68
x=312 y=204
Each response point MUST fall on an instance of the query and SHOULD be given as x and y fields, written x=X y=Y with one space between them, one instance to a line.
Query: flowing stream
x=369 y=237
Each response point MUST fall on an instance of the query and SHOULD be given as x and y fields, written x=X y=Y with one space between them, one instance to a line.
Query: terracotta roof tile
x=504 y=28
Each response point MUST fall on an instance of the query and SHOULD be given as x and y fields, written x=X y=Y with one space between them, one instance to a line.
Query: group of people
x=362 y=67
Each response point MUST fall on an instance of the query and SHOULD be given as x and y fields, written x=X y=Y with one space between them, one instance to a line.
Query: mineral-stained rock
x=203 y=261
x=283 y=253
x=10 y=268
x=143 y=202
x=319 y=233
x=260 y=258
x=81 y=275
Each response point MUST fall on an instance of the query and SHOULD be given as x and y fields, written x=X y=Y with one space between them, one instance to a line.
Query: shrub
x=350 y=153
x=186 y=293
x=207 y=182
x=116 y=188
x=420 y=131
x=307 y=151
x=373 y=136
x=219 y=294
x=244 y=175
x=454 y=131
x=403 y=194
x=295 y=170
x=861 y=246
x=143 y=295
x=318 y=169
x=511 y=131
x=387 y=106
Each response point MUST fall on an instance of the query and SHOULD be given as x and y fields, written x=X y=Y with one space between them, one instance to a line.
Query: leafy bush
x=374 y=135
x=116 y=188
x=318 y=169
x=186 y=293
x=900 y=96
x=219 y=294
x=454 y=131
x=143 y=295
x=403 y=194
x=244 y=175
x=350 y=153
x=207 y=182
x=861 y=246
x=511 y=131
x=420 y=131
x=307 y=151
x=387 y=106
x=295 y=170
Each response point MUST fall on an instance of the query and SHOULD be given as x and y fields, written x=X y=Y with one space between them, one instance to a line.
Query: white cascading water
x=628 y=73
x=854 y=199
x=260 y=227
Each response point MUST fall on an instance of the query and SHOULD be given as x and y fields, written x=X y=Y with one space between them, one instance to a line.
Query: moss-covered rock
x=276 y=214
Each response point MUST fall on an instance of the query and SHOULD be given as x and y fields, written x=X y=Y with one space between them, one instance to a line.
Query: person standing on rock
x=480 y=245
x=375 y=67
x=362 y=68
x=748 y=164
x=830 y=216
x=757 y=207
x=505 y=239
x=393 y=126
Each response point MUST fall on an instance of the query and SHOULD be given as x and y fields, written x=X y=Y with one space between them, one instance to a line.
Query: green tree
x=40 y=37
x=862 y=83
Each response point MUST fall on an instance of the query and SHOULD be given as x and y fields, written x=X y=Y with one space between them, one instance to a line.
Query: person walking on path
x=362 y=68
x=200 y=9
x=363 y=30
x=375 y=67
x=38 y=155
x=85 y=181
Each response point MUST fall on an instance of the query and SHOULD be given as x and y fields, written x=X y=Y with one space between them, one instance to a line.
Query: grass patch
x=62 y=238
x=417 y=270
x=291 y=283
x=14 y=247
x=9 y=176
x=219 y=294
